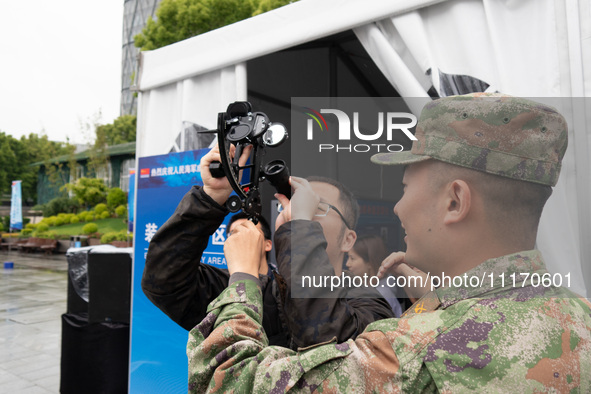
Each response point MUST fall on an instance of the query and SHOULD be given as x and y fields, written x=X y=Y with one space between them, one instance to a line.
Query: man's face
x=335 y=230
x=418 y=216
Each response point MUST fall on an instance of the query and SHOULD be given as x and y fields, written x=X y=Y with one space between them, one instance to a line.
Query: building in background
x=135 y=16
x=119 y=159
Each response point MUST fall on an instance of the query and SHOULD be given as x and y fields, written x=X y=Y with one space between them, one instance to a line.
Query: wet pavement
x=32 y=299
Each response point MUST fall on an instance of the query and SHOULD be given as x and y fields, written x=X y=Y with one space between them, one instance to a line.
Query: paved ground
x=32 y=300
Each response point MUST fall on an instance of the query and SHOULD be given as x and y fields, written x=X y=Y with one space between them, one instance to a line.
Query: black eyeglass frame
x=330 y=206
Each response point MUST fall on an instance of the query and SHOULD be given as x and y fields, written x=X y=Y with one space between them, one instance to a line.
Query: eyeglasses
x=324 y=207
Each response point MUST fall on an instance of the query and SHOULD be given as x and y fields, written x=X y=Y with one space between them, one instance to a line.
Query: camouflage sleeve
x=228 y=352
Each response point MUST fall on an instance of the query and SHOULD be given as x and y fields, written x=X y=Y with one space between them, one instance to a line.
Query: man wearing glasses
x=316 y=249
x=182 y=287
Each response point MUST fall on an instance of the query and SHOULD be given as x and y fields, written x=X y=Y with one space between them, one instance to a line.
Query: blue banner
x=158 y=360
x=131 y=201
x=16 y=207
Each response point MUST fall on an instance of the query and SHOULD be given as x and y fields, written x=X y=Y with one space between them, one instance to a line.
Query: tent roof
x=285 y=27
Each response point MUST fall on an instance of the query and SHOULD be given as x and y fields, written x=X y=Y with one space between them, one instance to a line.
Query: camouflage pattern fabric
x=490 y=338
x=489 y=132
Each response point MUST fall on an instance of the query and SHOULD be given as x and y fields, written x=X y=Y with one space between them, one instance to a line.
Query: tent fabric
x=285 y=27
x=487 y=40
x=197 y=100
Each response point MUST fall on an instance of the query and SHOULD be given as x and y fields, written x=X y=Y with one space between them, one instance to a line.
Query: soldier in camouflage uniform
x=475 y=185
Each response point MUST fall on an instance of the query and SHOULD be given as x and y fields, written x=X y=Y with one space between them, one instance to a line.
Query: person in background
x=318 y=247
x=365 y=258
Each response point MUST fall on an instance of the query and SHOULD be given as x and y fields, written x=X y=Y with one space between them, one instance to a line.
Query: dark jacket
x=178 y=283
x=317 y=314
x=182 y=287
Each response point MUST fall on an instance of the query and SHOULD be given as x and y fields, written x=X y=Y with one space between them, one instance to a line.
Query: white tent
x=528 y=48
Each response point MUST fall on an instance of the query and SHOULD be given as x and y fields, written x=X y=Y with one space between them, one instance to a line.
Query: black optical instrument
x=239 y=126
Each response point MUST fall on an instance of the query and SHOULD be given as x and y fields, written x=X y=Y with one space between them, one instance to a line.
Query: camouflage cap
x=490 y=132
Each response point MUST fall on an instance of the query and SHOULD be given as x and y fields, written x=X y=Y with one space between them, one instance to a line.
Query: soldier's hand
x=219 y=189
x=394 y=264
x=244 y=248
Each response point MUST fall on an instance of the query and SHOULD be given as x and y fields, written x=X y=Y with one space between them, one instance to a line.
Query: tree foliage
x=268 y=5
x=177 y=20
x=89 y=228
x=116 y=197
x=122 y=130
x=88 y=191
x=8 y=163
x=17 y=155
x=60 y=205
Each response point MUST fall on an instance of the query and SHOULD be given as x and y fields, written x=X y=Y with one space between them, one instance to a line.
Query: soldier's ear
x=458 y=201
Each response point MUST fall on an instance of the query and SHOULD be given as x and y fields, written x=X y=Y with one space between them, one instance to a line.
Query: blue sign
x=16 y=207
x=158 y=360
x=131 y=201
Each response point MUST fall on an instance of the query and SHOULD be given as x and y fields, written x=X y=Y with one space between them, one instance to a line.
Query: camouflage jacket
x=521 y=337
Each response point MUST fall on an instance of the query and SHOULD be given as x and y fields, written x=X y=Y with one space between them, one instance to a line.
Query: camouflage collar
x=496 y=275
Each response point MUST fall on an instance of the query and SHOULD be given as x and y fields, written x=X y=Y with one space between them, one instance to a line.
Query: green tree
x=88 y=191
x=60 y=205
x=122 y=130
x=116 y=197
x=16 y=157
x=177 y=20
x=37 y=148
x=8 y=166
x=268 y=5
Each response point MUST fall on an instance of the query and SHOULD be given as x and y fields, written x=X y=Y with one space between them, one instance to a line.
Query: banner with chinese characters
x=158 y=361
x=16 y=207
